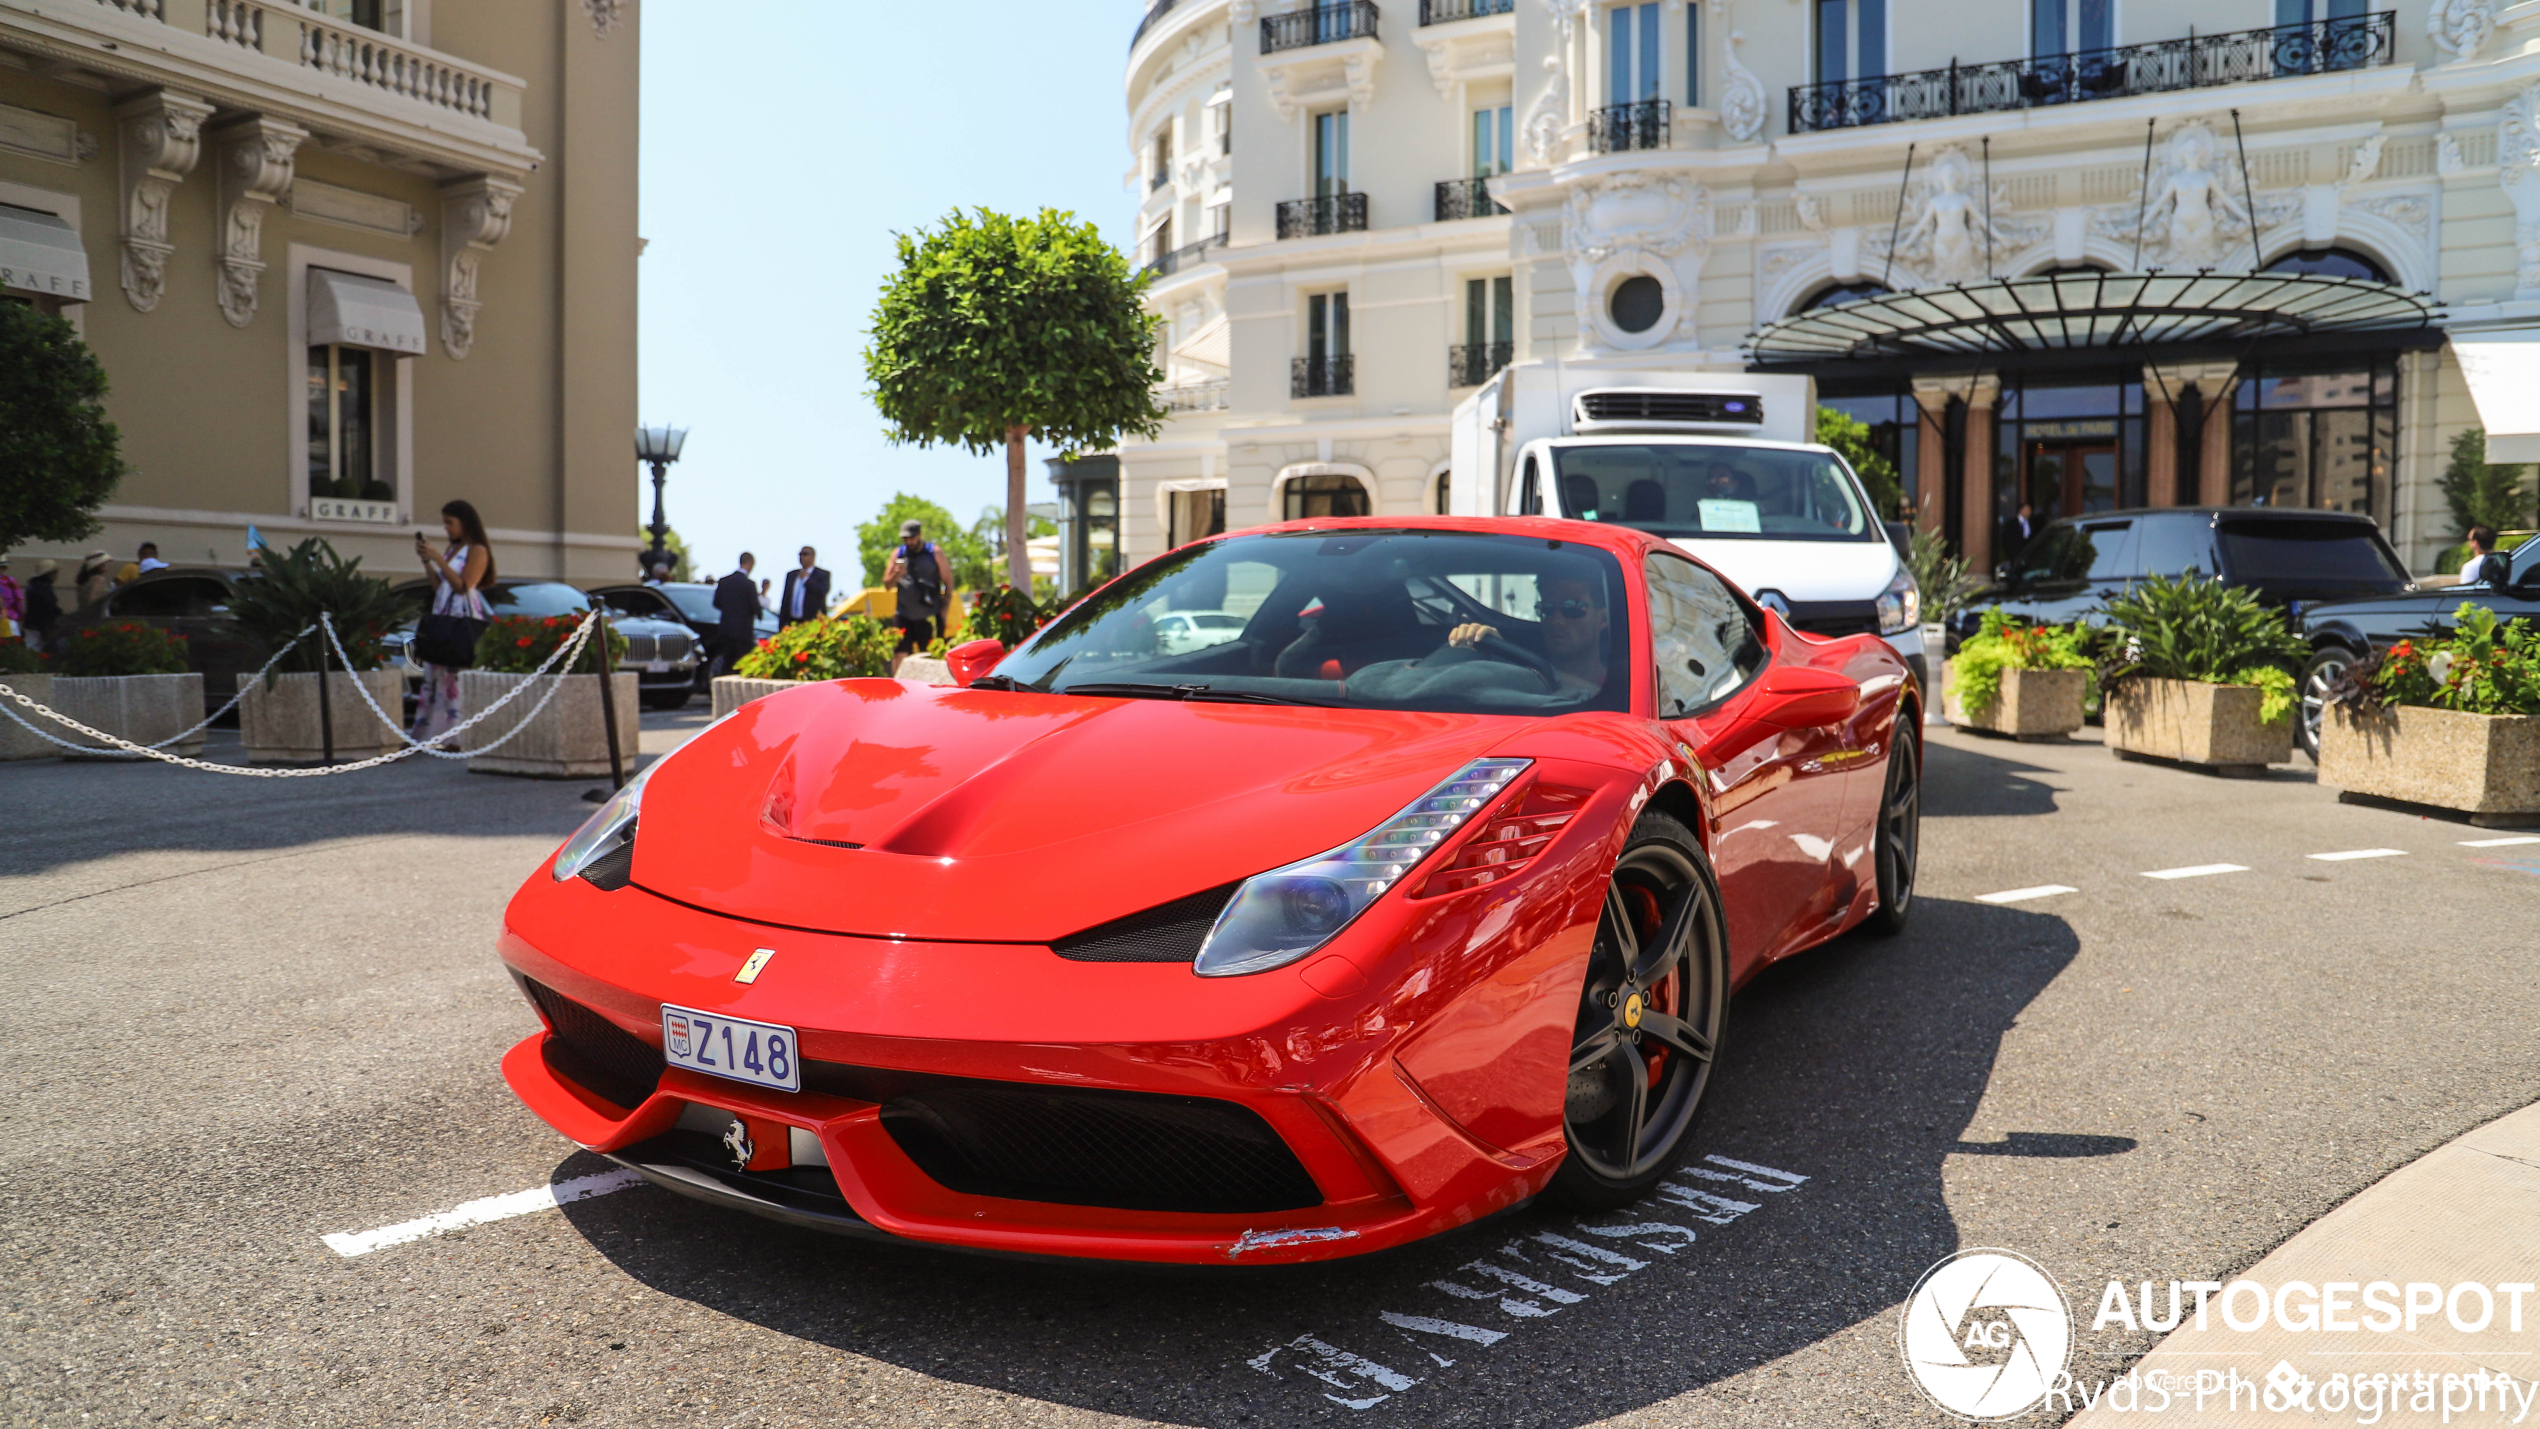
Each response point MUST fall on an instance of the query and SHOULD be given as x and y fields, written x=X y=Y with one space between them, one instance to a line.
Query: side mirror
x=1803 y=697
x=973 y=658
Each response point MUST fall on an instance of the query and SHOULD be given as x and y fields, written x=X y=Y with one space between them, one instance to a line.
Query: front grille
x=640 y=647
x=1136 y=1151
x=1833 y=619
x=1657 y=404
x=593 y=1052
x=1168 y=933
x=674 y=647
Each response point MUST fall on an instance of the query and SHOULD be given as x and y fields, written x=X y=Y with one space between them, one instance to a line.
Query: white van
x=1723 y=465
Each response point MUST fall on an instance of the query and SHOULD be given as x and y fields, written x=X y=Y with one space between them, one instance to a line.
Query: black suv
x=2070 y=571
x=2342 y=632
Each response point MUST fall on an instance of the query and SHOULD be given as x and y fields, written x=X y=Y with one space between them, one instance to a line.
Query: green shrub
x=17 y=659
x=519 y=644
x=2484 y=668
x=125 y=649
x=831 y=648
x=1946 y=583
x=284 y=594
x=2197 y=628
x=2001 y=643
x=1007 y=615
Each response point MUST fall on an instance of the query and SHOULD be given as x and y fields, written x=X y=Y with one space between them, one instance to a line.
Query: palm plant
x=1946 y=582
x=2197 y=628
x=284 y=595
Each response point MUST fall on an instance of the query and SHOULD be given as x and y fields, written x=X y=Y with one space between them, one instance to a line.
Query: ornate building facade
x=342 y=261
x=1356 y=212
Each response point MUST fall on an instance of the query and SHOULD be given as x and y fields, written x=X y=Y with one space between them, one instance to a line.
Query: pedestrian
x=460 y=572
x=2485 y=567
x=43 y=606
x=148 y=558
x=655 y=573
x=921 y=576
x=806 y=591
x=2016 y=532
x=95 y=578
x=12 y=604
x=737 y=601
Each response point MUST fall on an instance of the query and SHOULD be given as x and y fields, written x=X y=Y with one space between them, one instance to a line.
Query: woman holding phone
x=459 y=573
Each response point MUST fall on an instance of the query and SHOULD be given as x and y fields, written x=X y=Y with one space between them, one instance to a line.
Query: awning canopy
x=2089 y=310
x=355 y=311
x=2503 y=368
x=40 y=254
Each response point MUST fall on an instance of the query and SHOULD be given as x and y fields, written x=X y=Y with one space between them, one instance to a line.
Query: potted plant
x=278 y=715
x=832 y=648
x=1946 y=585
x=22 y=670
x=2026 y=681
x=2200 y=673
x=130 y=681
x=2454 y=723
x=567 y=738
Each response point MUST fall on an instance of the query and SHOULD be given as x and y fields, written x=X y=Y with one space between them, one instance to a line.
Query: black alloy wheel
x=1650 y=1016
x=1899 y=835
x=2318 y=678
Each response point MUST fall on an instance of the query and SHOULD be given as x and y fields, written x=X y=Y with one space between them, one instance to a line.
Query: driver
x=1726 y=483
x=1574 y=620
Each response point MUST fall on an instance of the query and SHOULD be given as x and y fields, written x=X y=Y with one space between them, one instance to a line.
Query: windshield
x=536 y=598
x=1712 y=492
x=1425 y=620
x=694 y=601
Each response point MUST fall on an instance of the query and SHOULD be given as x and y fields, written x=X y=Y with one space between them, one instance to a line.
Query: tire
x=1657 y=979
x=1899 y=836
x=667 y=700
x=2325 y=667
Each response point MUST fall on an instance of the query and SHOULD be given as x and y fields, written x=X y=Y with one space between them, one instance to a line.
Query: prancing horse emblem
x=736 y=1139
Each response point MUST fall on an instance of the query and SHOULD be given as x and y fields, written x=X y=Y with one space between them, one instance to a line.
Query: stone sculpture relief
x=2460 y=28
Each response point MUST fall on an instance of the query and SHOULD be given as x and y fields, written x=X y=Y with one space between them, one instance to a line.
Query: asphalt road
x=245 y=1014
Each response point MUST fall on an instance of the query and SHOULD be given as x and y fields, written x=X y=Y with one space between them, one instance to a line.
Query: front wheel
x=1899 y=835
x=1650 y=1015
x=2318 y=678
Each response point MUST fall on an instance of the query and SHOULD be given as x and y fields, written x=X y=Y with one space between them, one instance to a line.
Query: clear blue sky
x=783 y=144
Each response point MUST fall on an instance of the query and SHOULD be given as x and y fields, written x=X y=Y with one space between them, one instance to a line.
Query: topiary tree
x=58 y=456
x=998 y=328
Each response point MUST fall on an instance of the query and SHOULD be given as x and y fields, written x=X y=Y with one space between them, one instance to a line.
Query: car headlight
x=1900 y=606
x=1280 y=916
x=606 y=834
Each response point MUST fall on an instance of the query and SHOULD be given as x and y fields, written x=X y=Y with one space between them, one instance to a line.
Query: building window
x=1324 y=371
x=343 y=423
x=2334 y=262
x=1851 y=39
x=1308 y=497
x=1160 y=158
x=1494 y=146
x=1490 y=331
x=1221 y=120
x=2063 y=27
x=1193 y=515
x=2070 y=449
x=1632 y=58
x=1893 y=418
x=1331 y=153
x=2324 y=439
x=1841 y=293
x=386 y=16
x=1442 y=493
x=1693 y=56
x=1221 y=219
x=1639 y=301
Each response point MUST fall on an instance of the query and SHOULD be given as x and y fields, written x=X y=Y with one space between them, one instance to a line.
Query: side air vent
x=593 y=1052
x=1167 y=933
x=1645 y=406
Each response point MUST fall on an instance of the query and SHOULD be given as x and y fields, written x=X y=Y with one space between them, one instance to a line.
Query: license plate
x=760 y=1053
x=657 y=667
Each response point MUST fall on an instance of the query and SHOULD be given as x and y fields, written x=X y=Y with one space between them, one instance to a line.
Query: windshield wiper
x=1204 y=694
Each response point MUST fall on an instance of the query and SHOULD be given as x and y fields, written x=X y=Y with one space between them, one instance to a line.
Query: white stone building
x=1664 y=179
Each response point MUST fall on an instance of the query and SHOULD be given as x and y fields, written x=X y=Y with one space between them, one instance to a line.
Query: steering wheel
x=1515 y=654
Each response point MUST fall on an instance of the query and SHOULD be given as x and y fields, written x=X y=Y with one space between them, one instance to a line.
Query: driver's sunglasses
x=1566 y=609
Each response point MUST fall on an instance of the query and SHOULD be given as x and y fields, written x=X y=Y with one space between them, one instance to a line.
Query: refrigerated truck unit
x=1537 y=400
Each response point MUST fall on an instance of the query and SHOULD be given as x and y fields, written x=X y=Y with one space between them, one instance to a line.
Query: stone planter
x=925 y=670
x=142 y=708
x=1935 y=652
x=2487 y=766
x=15 y=741
x=567 y=739
x=2212 y=726
x=731 y=692
x=278 y=723
x=2034 y=704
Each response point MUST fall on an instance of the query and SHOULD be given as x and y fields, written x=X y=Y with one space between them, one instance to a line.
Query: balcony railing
x=1466 y=198
x=1339 y=213
x=1641 y=124
x=1193 y=396
x=352 y=52
x=1164 y=265
x=1439 y=12
x=1321 y=377
x=1154 y=13
x=1318 y=25
x=1470 y=364
x=2198 y=62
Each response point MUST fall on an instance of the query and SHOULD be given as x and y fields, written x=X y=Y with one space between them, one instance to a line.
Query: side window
x=2174 y=546
x=1703 y=643
x=2045 y=558
x=2108 y=547
x=168 y=599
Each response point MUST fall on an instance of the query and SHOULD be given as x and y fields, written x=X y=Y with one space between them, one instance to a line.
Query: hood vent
x=1167 y=933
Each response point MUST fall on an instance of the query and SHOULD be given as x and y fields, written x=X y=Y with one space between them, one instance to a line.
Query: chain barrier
x=566 y=652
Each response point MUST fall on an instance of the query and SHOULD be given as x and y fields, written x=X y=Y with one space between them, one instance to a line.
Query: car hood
x=1801 y=570
x=888 y=809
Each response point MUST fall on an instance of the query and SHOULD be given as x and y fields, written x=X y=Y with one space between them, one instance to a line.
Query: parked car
x=2341 y=632
x=661 y=654
x=1183 y=631
x=2071 y=569
x=691 y=603
x=192 y=601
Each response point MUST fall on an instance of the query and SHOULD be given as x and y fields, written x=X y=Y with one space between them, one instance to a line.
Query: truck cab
x=1721 y=465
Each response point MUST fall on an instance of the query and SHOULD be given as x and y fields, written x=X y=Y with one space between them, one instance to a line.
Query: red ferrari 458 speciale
x=1409 y=884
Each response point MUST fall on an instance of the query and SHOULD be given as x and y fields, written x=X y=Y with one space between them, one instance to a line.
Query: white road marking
x=2022 y=895
x=2501 y=843
x=2196 y=871
x=1792 y=1178
x=476 y=1213
x=2361 y=853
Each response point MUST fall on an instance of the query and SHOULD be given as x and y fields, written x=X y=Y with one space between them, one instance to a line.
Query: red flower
x=802 y=657
x=551 y=622
x=2402 y=650
x=522 y=642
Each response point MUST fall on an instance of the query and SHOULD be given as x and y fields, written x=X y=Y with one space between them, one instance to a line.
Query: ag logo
x=1985 y=1333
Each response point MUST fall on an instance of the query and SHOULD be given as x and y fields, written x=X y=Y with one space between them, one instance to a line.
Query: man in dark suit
x=2015 y=533
x=806 y=592
x=736 y=600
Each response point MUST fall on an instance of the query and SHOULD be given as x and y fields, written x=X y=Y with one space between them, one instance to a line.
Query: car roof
x=2259 y=513
x=1621 y=540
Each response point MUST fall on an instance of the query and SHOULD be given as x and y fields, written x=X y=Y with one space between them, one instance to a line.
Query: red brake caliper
x=1661 y=998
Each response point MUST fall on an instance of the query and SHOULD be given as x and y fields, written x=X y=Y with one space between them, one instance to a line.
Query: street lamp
x=659 y=447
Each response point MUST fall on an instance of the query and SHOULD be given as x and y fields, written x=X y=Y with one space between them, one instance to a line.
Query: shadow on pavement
x=1991 y=781
x=1856 y=1066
